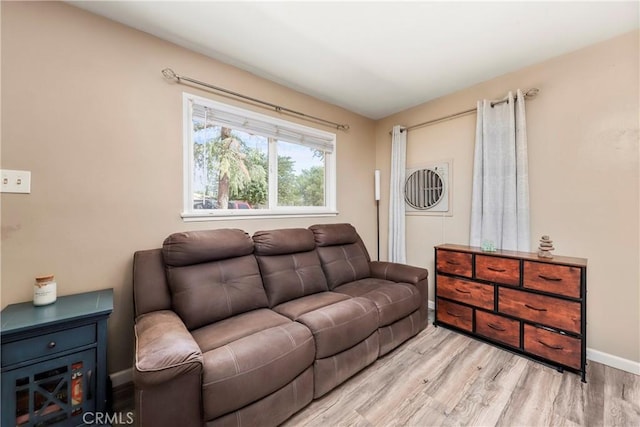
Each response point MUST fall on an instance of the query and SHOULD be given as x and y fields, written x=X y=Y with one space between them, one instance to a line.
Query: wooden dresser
x=533 y=306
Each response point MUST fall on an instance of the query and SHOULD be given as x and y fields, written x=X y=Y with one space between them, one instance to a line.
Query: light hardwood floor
x=441 y=378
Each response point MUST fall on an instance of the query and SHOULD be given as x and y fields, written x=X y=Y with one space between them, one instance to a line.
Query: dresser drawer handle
x=497 y=270
x=453 y=262
x=550 y=279
x=463 y=291
x=553 y=347
x=497 y=328
x=51 y=344
x=453 y=314
x=535 y=308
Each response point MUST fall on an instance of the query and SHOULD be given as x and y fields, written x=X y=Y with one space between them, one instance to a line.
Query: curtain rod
x=530 y=93
x=169 y=74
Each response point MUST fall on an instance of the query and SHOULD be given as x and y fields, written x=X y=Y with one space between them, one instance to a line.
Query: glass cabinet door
x=54 y=392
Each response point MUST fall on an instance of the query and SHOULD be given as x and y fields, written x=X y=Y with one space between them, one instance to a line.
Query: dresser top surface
x=23 y=316
x=529 y=256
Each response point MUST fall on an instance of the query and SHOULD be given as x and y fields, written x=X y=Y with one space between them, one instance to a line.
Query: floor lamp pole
x=378 y=225
x=376 y=177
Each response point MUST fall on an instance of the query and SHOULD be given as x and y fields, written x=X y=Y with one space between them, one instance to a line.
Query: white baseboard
x=613 y=361
x=431 y=305
x=122 y=377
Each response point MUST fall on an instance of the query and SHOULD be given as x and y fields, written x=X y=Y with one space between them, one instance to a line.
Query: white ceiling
x=375 y=58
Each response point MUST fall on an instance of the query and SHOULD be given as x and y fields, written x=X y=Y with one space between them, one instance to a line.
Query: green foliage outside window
x=229 y=169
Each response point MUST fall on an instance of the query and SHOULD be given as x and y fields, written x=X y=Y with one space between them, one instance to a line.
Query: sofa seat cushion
x=340 y=326
x=236 y=327
x=297 y=307
x=393 y=300
x=248 y=369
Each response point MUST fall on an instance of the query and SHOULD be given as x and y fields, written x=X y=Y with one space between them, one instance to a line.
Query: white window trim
x=189 y=214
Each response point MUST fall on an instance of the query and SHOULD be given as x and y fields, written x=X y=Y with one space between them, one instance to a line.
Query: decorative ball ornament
x=546 y=246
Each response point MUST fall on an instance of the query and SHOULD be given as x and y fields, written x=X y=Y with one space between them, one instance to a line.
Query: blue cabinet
x=54 y=368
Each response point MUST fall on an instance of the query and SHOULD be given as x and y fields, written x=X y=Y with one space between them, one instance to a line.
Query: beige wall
x=583 y=167
x=87 y=111
x=85 y=108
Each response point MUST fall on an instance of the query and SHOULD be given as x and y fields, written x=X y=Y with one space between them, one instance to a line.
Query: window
x=241 y=163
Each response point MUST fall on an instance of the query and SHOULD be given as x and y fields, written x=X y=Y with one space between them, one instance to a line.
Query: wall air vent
x=427 y=190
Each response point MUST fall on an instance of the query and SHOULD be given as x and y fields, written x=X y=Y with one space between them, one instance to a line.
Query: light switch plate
x=12 y=181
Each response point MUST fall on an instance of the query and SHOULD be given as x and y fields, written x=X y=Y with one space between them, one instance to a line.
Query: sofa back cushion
x=212 y=275
x=289 y=264
x=343 y=256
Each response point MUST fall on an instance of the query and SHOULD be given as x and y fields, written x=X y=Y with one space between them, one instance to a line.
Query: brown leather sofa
x=239 y=330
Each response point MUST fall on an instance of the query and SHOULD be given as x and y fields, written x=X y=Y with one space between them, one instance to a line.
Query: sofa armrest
x=164 y=350
x=398 y=272
x=408 y=274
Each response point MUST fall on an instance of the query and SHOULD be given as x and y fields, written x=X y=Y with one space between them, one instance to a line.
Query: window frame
x=190 y=214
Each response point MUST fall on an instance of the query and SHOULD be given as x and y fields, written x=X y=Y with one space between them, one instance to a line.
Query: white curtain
x=500 y=197
x=397 y=247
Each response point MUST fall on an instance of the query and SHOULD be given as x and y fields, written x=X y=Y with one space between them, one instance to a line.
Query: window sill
x=227 y=216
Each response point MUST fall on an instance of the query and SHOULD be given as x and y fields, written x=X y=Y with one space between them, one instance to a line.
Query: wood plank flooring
x=441 y=378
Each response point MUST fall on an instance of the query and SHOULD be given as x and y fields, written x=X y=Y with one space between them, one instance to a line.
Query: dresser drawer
x=553 y=346
x=557 y=279
x=455 y=315
x=498 y=328
x=515 y=300
x=498 y=270
x=472 y=293
x=548 y=311
x=458 y=263
x=44 y=345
